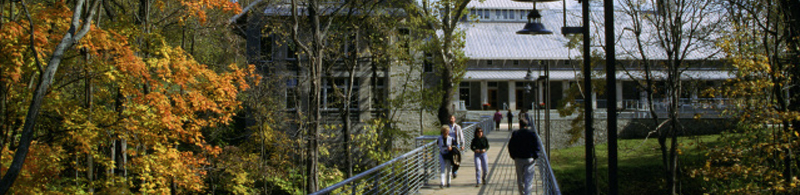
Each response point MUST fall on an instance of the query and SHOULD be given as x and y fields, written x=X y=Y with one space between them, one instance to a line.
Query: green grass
x=640 y=168
x=432 y=132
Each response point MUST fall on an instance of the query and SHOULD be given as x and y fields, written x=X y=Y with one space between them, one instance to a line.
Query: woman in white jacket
x=446 y=144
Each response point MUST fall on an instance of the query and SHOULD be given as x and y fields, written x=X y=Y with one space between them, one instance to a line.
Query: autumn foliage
x=126 y=109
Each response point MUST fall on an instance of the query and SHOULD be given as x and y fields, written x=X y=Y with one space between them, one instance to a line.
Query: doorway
x=492 y=99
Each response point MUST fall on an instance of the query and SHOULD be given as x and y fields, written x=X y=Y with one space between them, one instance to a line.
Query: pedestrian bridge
x=417 y=171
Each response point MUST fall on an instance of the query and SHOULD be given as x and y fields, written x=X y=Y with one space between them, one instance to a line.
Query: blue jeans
x=525 y=172
x=481 y=167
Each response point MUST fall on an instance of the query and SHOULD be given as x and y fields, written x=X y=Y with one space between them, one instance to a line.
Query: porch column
x=485 y=93
x=540 y=92
x=512 y=95
x=564 y=89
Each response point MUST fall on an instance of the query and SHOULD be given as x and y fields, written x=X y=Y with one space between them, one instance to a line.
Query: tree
x=438 y=22
x=680 y=29
x=324 y=20
x=762 y=46
x=109 y=99
x=72 y=36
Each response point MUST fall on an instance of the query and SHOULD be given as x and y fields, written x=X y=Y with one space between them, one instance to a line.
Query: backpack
x=455 y=158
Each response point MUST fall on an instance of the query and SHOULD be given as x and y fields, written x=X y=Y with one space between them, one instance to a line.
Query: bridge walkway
x=501 y=177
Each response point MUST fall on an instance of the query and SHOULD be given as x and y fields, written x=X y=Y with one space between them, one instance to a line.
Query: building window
x=492 y=84
x=505 y=14
x=511 y=14
x=379 y=96
x=630 y=90
x=515 y=62
x=348 y=46
x=473 y=12
x=404 y=40
x=266 y=48
x=291 y=51
x=427 y=64
x=463 y=93
x=522 y=14
x=332 y=101
x=486 y=13
x=291 y=95
x=497 y=14
x=489 y=62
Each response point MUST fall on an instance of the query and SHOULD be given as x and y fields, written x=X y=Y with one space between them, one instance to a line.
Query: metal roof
x=560 y=75
x=509 y=4
x=515 y=75
x=498 y=40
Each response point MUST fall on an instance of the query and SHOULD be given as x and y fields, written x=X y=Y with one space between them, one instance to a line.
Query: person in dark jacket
x=479 y=145
x=524 y=149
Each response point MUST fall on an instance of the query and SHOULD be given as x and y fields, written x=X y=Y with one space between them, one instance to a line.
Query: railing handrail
x=371 y=171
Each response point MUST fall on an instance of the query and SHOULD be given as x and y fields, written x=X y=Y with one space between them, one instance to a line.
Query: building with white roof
x=500 y=58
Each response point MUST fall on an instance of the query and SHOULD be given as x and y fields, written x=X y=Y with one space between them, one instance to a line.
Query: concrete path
x=501 y=178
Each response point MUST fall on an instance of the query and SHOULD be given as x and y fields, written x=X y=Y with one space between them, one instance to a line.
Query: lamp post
x=544 y=76
x=535 y=27
x=611 y=91
x=528 y=88
x=587 y=91
x=535 y=104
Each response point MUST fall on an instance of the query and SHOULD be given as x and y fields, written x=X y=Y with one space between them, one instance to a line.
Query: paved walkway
x=501 y=178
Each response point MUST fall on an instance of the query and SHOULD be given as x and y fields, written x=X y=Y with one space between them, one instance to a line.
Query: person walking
x=510 y=116
x=458 y=135
x=498 y=117
x=480 y=145
x=524 y=148
x=446 y=144
x=523 y=117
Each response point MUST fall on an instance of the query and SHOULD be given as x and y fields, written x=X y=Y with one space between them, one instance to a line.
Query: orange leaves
x=196 y=8
x=170 y=102
x=156 y=103
x=42 y=168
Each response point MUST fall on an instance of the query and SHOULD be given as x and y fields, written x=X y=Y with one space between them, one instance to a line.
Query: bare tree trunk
x=445 y=108
x=347 y=123
x=88 y=105
x=316 y=83
x=674 y=83
x=90 y=171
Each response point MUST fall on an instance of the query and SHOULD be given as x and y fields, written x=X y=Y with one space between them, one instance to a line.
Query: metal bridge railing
x=548 y=179
x=405 y=174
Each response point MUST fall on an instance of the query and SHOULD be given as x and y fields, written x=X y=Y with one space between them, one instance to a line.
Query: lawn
x=640 y=169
